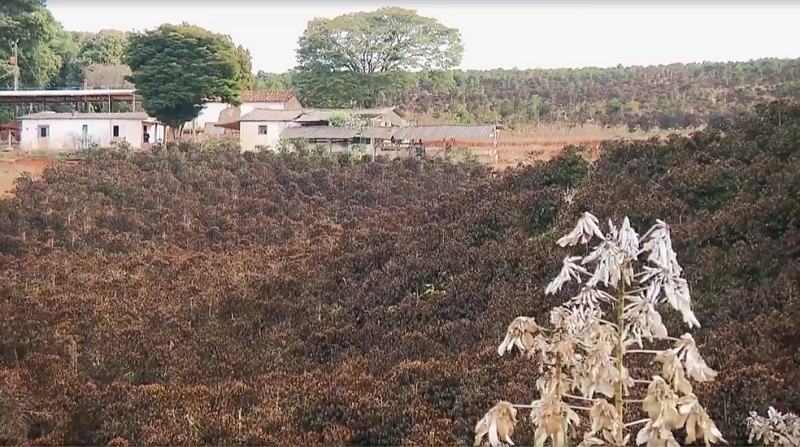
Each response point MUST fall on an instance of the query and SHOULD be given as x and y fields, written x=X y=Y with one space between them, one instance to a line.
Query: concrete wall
x=249 y=137
x=209 y=114
x=293 y=104
x=211 y=111
x=248 y=107
x=67 y=134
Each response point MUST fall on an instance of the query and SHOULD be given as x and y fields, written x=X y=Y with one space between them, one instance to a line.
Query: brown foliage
x=187 y=297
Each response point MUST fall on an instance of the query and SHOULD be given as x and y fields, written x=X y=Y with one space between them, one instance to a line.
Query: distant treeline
x=675 y=96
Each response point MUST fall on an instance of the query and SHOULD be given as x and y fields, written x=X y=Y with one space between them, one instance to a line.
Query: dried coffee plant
x=780 y=430
x=581 y=359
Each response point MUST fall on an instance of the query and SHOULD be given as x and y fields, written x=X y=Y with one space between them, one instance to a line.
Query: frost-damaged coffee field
x=183 y=297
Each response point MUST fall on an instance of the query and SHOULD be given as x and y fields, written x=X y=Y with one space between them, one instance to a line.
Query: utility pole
x=16 y=65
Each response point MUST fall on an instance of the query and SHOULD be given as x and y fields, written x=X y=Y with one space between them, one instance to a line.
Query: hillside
x=197 y=298
x=675 y=96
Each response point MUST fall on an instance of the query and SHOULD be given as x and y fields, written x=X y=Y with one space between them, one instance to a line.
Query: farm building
x=399 y=141
x=379 y=117
x=80 y=99
x=263 y=129
x=341 y=139
x=62 y=132
x=214 y=110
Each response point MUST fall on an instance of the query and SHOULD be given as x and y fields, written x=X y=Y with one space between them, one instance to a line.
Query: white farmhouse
x=261 y=129
x=251 y=100
x=64 y=132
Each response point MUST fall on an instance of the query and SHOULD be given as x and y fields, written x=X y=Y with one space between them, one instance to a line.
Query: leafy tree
x=349 y=89
x=534 y=107
x=437 y=81
x=339 y=118
x=631 y=107
x=106 y=47
x=462 y=115
x=614 y=106
x=32 y=26
x=272 y=81
x=107 y=76
x=369 y=50
x=388 y=39
x=245 y=61
x=82 y=51
x=176 y=67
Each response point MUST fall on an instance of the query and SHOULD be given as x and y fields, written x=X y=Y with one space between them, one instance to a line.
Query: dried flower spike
x=520 y=334
x=499 y=424
x=581 y=357
x=777 y=429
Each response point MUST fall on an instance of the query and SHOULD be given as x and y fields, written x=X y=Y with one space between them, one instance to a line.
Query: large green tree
x=84 y=53
x=272 y=81
x=245 y=61
x=367 y=53
x=177 y=67
x=32 y=27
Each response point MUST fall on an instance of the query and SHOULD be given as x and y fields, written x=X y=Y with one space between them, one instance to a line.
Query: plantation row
x=675 y=96
x=205 y=297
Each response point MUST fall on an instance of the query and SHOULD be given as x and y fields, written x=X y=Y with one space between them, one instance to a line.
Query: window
x=44 y=131
x=262 y=130
x=115 y=131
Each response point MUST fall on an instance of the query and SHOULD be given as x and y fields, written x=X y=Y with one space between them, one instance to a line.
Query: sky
x=495 y=34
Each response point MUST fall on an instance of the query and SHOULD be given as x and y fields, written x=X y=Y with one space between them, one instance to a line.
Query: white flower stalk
x=777 y=429
x=570 y=271
x=520 y=334
x=686 y=350
x=643 y=318
x=553 y=420
x=696 y=421
x=580 y=358
x=605 y=426
x=499 y=424
x=588 y=226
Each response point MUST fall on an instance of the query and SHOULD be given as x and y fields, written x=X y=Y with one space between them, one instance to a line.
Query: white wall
x=248 y=107
x=249 y=137
x=67 y=134
x=211 y=111
x=209 y=114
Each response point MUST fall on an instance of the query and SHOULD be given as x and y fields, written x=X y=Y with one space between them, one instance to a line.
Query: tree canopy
x=176 y=67
x=245 y=61
x=387 y=39
x=32 y=26
x=85 y=53
x=366 y=55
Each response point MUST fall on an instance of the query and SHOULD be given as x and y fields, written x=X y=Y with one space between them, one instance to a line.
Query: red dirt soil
x=13 y=166
x=512 y=150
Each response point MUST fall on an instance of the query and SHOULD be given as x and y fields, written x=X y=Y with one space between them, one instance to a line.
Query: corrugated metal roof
x=87 y=116
x=378 y=132
x=76 y=93
x=271 y=115
x=313 y=115
x=465 y=132
x=312 y=132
